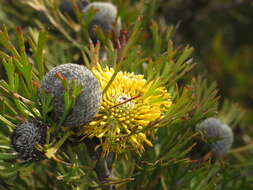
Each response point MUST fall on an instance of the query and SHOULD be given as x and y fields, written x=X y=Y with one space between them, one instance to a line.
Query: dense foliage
x=154 y=94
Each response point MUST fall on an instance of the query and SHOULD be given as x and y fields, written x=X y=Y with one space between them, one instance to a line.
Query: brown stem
x=103 y=171
x=103 y=165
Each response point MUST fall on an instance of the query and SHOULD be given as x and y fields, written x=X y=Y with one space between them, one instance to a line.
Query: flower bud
x=214 y=128
x=105 y=17
x=26 y=136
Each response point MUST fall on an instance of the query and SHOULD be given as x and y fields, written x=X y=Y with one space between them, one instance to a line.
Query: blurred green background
x=221 y=33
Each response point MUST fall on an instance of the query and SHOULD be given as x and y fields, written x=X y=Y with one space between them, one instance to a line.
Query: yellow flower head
x=129 y=106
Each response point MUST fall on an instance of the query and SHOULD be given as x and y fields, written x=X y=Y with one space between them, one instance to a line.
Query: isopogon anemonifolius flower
x=215 y=128
x=86 y=104
x=129 y=106
x=26 y=136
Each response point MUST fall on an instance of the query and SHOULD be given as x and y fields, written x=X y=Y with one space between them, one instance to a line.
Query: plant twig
x=103 y=165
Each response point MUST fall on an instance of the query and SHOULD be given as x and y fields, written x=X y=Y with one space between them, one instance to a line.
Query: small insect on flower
x=215 y=128
x=105 y=17
x=128 y=108
x=26 y=136
x=86 y=104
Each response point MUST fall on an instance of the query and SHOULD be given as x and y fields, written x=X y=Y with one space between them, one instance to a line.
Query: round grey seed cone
x=214 y=128
x=88 y=102
x=26 y=136
x=105 y=17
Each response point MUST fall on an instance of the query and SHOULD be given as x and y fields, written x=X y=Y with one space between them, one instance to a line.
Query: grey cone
x=105 y=18
x=212 y=128
x=86 y=105
x=26 y=136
